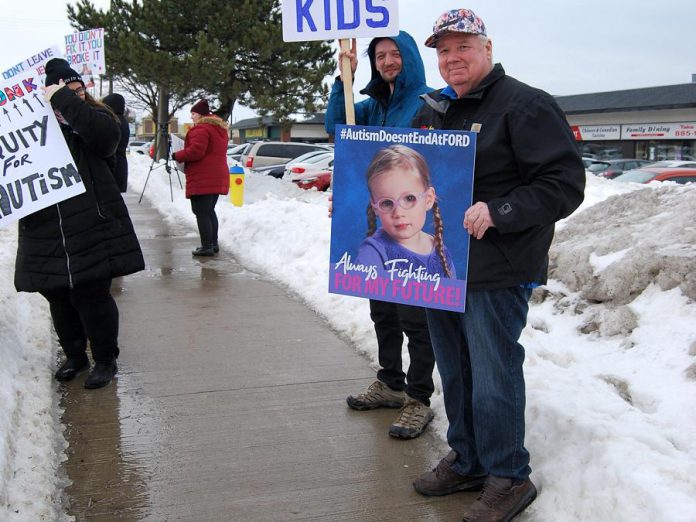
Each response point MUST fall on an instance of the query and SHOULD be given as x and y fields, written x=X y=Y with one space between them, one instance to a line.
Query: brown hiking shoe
x=378 y=395
x=413 y=418
x=501 y=500
x=443 y=480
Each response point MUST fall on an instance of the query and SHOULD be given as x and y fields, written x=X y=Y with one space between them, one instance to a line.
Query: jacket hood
x=213 y=120
x=412 y=75
x=116 y=103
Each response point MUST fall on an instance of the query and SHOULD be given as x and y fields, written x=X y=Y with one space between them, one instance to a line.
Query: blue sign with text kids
x=399 y=197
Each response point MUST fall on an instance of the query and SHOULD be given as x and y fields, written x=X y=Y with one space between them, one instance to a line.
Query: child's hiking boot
x=413 y=419
x=378 y=395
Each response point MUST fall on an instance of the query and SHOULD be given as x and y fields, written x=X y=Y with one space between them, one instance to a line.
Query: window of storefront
x=662 y=150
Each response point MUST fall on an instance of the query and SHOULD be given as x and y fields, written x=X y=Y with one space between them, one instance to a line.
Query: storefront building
x=651 y=123
x=310 y=129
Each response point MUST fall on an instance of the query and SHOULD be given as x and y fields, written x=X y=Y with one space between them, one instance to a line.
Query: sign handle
x=347 y=77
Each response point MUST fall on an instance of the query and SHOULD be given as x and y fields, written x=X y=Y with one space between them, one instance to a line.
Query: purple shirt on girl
x=380 y=248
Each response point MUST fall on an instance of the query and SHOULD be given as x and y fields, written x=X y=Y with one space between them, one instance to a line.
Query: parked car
x=682 y=164
x=314 y=163
x=231 y=162
x=277 y=171
x=647 y=174
x=588 y=161
x=235 y=150
x=264 y=153
x=609 y=169
x=320 y=180
x=280 y=170
x=139 y=146
x=307 y=155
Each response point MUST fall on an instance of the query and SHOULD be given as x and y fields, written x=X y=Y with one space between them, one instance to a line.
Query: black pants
x=391 y=322
x=203 y=208
x=85 y=312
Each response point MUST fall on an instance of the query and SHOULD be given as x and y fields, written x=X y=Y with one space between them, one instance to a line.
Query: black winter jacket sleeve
x=98 y=129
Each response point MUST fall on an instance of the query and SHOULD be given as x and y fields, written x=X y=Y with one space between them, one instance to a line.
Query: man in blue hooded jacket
x=398 y=80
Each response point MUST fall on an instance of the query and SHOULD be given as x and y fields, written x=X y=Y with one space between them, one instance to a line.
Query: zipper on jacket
x=62 y=234
x=385 y=108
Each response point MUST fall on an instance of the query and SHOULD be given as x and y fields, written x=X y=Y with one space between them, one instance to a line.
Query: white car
x=231 y=162
x=316 y=162
x=670 y=164
x=234 y=151
x=587 y=161
x=139 y=147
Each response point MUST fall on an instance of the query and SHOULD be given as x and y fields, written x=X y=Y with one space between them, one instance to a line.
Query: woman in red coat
x=207 y=176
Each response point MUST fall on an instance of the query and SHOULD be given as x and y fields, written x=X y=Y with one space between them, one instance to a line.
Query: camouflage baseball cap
x=456 y=21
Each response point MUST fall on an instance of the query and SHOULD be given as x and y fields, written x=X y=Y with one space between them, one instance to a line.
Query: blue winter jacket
x=381 y=109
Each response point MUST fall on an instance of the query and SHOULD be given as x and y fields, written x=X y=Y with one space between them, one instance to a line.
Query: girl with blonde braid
x=401 y=194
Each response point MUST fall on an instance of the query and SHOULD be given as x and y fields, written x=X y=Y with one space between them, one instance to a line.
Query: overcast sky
x=563 y=47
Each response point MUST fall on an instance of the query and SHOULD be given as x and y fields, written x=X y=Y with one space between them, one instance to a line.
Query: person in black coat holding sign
x=69 y=252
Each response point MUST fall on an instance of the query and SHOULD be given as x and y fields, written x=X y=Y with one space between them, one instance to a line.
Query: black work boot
x=72 y=367
x=101 y=374
x=204 y=251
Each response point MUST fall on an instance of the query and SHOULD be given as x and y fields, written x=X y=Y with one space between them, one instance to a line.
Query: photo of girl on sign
x=401 y=194
x=391 y=200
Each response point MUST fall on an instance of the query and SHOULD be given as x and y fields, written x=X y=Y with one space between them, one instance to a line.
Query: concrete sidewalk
x=230 y=405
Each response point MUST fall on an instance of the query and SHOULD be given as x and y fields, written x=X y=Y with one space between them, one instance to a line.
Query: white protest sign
x=36 y=167
x=177 y=145
x=305 y=20
x=36 y=62
x=84 y=51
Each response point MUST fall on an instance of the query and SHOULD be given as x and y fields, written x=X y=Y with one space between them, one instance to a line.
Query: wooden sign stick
x=347 y=77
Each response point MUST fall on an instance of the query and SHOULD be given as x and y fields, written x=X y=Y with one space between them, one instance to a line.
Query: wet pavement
x=229 y=405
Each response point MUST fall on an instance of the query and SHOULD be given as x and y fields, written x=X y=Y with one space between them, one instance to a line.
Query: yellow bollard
x=237 y=186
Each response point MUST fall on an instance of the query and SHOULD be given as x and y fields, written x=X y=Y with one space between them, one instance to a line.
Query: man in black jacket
x=528 y=175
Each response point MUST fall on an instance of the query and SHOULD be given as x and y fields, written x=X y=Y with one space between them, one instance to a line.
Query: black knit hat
x=58 y=69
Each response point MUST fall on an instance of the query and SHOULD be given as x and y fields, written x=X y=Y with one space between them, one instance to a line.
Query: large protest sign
x=399 y=197
x=84 y=51
x=36 y=62
x=305 y=20
x=36 y=164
